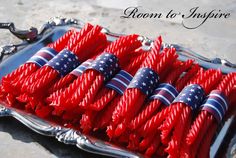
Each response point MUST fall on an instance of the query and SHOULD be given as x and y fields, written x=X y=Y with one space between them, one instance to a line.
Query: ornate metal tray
x=34 y=40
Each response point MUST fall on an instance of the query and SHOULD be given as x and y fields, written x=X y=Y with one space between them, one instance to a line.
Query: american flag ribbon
x=42 y=56
x=216 y=104
x=165 y=92
x=64 y=62
x=146 y=80
x=81 y=68
x=106 y=64
x=192 y=95
x=120 y=82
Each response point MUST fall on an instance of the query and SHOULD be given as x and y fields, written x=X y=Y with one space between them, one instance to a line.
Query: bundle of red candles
x=146 y=101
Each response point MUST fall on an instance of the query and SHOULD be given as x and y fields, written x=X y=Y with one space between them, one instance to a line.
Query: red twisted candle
x=92 y=80
x=106 y=96
x=151 y=126
x=133 y=98
x=156 y=104
x=83 y=51
x=200 y=125
x=12 y=81
x=176 y=120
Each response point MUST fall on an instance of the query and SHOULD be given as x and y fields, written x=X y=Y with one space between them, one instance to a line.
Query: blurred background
x=215 y=38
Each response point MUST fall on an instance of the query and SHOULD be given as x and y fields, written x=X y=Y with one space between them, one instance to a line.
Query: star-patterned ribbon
x=64 y=62
x=120 y=82
x=192 y=95
x=42 y=56
x=165 y=92
x=81 y=68
x=146 y=80
x=216 y=104
x=106 y=64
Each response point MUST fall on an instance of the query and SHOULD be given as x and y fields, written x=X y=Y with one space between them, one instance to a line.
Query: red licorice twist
x=133 y=98
x=197 y=128
x=106 y=95
x=11 y=83
x=83 y=92
x=210 y=79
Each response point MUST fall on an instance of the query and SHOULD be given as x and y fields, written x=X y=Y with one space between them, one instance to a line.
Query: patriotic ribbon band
x=106 y=64
x=192 y=95
x=81 y=68
x=64 y=62
x=146 y=80
x=165 y=92
x=120 y=82
x=42 y=56
x=216 y=104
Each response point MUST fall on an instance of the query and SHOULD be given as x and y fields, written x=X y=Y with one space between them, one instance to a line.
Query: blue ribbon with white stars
x=106 y=64
x=192 y=95
x=64 y=62
x=42 y=56
x=165 y=92
x=146 y=80
x=120 y=82
x=216 y=104
x=81 y=68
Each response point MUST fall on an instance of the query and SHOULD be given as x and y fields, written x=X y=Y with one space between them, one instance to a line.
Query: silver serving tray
x=53 y=30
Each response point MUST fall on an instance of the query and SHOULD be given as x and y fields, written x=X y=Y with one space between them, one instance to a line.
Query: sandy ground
x=215 y=38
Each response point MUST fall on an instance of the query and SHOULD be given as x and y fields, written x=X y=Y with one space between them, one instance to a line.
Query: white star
x=66 y=55
x=196 y=96
x=110 y=60
x=151 y=82
x=65 y=66
x=69 y=59
x=150 y=72
x=106 y=55
x=198 y=87
x=192 y=90
x=144 y=84
x=101 y=69
x=111 y=72
x=57 y=63
x=62 y=59
x=188 y=99
x=102 y=62
x=116 y=65
x=183 y=94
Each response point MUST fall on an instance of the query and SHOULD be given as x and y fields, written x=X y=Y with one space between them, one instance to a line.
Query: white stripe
x=86 y=62
x=209 y=105
x=225 y=104
x=123 y=77
x=167 y=91
x=36 y=56
x=218 y=103
x=120 y=81
x=158 y=95
x=77 y=70
x=46 y=51
x=33 y=61
x=116 y=88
